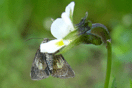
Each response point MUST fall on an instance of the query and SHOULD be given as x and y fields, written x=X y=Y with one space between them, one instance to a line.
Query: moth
x=45 y=64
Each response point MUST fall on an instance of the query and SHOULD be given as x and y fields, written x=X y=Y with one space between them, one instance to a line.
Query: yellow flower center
x=60 y=43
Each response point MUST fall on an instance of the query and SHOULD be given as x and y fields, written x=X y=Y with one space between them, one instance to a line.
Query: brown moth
x=45 y=64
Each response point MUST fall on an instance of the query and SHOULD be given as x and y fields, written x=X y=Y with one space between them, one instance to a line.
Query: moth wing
x=39 y=69
x=61 y=68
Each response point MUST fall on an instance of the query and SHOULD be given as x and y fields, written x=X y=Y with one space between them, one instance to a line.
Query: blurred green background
x=24 y=19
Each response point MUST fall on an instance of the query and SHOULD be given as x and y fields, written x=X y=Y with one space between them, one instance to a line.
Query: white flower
x=60 y=28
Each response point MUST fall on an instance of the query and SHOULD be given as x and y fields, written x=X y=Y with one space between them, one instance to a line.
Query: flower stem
x=109 y=59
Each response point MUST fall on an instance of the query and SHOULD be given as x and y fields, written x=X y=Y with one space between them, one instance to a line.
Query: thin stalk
x=109 y=59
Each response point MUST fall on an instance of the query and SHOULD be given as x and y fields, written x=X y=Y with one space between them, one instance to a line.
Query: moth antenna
x=33 y=38
x=51 y=38
x=39 y=38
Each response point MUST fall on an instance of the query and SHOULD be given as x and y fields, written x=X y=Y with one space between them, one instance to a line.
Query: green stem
x=109 y=59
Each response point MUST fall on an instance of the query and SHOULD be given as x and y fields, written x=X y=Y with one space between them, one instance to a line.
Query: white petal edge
x=70 y=7
x=60 y=29
x=50 y=47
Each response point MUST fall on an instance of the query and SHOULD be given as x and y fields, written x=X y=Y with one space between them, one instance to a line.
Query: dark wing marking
x=61 y=68
x=39 y=69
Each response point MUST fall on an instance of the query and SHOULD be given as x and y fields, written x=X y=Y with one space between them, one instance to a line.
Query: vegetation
x=25 y=19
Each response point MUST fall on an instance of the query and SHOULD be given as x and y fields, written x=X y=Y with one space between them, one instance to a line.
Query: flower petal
x=70 y=8
x=59 y=28
x=66 y=18
x=52 y=46
x=68 y=22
